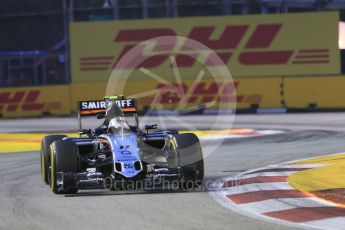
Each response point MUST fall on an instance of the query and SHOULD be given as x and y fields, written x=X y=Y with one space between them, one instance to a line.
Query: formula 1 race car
x=118 y=155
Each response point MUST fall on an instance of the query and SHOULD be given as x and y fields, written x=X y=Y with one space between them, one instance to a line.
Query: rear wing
x=92 y=108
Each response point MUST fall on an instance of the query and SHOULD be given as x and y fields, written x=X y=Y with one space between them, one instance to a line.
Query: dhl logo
x=201 y=93
x=256 y=50
x=24 y=101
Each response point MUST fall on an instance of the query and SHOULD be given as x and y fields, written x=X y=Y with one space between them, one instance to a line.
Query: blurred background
x=54 y=53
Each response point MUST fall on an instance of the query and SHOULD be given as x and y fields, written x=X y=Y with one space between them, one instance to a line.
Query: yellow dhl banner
x=241 y=93
x=314 y=92
x=35 y=101
x=269 y=92
x=258 y=45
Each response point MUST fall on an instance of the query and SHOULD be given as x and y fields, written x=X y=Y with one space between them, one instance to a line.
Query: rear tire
x=190 y=159
x=64 y=158
x=45 y=154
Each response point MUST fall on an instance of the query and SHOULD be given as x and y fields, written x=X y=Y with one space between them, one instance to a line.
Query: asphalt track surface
x=26 y=203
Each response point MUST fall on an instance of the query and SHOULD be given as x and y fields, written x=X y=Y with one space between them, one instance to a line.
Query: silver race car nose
x=125 y=153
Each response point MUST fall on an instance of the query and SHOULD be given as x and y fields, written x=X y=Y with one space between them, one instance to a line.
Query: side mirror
x=148 y=127
x=84 y=131
x=100 y=115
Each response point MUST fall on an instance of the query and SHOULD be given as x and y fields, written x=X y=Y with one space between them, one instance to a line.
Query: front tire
x=190 y=159
x=64 y=159
x=45 y=154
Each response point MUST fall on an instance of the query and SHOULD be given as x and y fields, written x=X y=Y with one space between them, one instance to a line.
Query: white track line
x=255 y=133
x=281 y=166
x=286 y=173
x=270 y=132
x=256 y=187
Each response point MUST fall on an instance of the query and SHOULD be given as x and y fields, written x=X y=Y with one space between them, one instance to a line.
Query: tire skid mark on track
x=12 y=173
x=17 y=178
x=19 y=210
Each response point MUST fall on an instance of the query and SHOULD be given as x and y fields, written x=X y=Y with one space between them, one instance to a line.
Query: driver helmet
x=117 y=123
x=113 y=111
x=118 y=126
